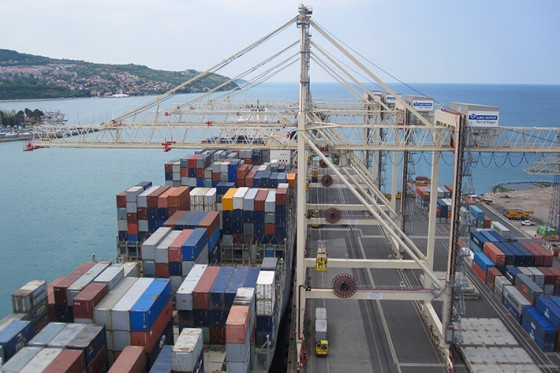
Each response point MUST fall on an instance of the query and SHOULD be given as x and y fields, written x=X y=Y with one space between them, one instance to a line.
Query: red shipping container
x=192 y=160
x=50 y=297
x=199 y=172
x=152 y=198
x=131 y=360
x=237 y=324
x=67 y=361
x=496 y=255
x=173 y=219
x=215 y=176
x=556 y=272
x=162 y=270
x=538 y=258
x=179 y=198
x=121 y=199
x=260 y=198
x=211 y=222
x=217 y=335
x=142 y=213
x=63 y=284
x=479 y=272
x=269 y=229
x=491 y=275
x=487 y=223
x=201 y=293
x=184 y=172
x=547 y=256
x=549 y=275
x=175 y=250
x=132 y=228
x=281 y=196
x=239 y=183
x=99 y=363
x=162 y=200
x=249 y=178
x=87 y=299
x=132 y=218
x=149 y=339
x=168 y=167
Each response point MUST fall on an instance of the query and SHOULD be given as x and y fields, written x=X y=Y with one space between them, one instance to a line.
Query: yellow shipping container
x=227 y=199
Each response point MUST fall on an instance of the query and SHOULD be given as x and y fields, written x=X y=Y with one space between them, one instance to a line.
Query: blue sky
x=435 y=41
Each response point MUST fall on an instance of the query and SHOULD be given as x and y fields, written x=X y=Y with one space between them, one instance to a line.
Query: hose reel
x=332 y=215
x=344 y=286
x=326 y=180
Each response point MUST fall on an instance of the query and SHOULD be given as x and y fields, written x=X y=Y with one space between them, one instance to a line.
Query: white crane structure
x=347 y=129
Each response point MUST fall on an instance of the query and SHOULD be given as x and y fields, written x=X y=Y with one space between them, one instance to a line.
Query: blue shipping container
x=150 y=305
x=252 y=275
x=175 y=269
x=483 y=261
x=479 y=239
x=488 y=235
x=14 y=337
x=219 y=287
x=539 y=328
x=194 y=244
x=236 y=281
x=214 y=240
x=511 y=308
x=194 y=222
x=476 y=212
x=498 y=236
x=550 y=310
x=529 y=257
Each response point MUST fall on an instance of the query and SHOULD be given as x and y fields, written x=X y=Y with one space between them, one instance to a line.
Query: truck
x=321 y=336
x=518 y=214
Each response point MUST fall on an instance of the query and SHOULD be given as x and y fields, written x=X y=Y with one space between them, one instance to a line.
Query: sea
x=58 y=209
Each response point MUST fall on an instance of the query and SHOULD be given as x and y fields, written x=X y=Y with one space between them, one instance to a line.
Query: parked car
x=527 y=222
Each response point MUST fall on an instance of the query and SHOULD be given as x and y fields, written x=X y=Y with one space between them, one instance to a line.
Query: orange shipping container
x=237 y=324
x=496 y=255
x=162 y=201
x=201 y=293
x=292 y=179
x=479 y=272
x=153 y=197
x=491 y=275
x=132 y=359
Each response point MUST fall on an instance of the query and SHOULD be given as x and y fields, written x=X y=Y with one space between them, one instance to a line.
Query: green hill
x=26 y=76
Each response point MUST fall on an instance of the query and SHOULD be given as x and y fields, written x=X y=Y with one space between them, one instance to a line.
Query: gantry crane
x=344 y=129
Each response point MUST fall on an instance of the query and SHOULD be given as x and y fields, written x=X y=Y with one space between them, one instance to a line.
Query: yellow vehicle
x=321 y=261
x=314 y=175
x=321 y=337
x=315 y=215
x=518 y=214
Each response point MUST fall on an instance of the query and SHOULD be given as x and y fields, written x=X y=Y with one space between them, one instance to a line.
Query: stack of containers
x=241 y=174
x=187 y=353
x=211 y=200
x=239 y=338
x=132 y=359
x=14 y=335
x=491 y=275
x=541 y=331
x=194 y=249
x=423 y=195
x=269 y=218
x=281 y=207
x=477 y=241
x=515 y=302
x=162 y=256
x=86 y=300
x=154 y=221
x=481 y=264
x=477 y=215
x=197 y=199
x=31 y=301
x=266 y=305
x=142 y=213
x=63 y=310
x=173 y=175
x=528 y=287
x=218 y=311
x=499 y=283
x=542 y=257
x=201 y=300
x=149 y=250
x=151 y=318
x=77 y=286
x=184 y=302
x=132 y=194
x=549 y=307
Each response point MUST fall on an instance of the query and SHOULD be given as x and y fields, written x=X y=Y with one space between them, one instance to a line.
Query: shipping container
x=13 y=336
x=163 y=362
x=91 y=339
x=184 y=296
x=163 y=246
x=87 y=299
x=20 y=360
x=527 y=287
x=149 y=246
x=499 y=283
x=494 y=254
x=219 y=286
x=131 y=360
x=102 y=312
x=150 y=338
x=111 y=276
x=550 y=310
x=483 y=261
x=120 y=314
x=539 y=329
x=42 y=360
x=64 y=283
x=149 y=305
x=29 y=296
x=201 y=293
x=187 y=350
x=515 y=302
x=195 y=244
x=265 y=285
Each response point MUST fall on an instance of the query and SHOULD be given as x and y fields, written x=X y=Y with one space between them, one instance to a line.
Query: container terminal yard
x=299 y=238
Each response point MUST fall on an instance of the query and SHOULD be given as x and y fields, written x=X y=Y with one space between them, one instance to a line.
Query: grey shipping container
x=41 y=360
x=102 y=312
x=28 y=296
x=46 y=335
x=120 y=314
x=66 y=335
x=20 y=360
x=111 y=276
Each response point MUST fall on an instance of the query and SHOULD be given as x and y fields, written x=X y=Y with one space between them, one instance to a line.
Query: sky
x=422 y=41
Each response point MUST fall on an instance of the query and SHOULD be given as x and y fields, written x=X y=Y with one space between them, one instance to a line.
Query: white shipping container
x=210 y=197
x=42 y=360
x=265 y=307
x=149 y=246
x=184 y=296
x=84 y=280
x=270 y=203
x=102 y=311
x=133 y=192
x=245 y=297
x=538 y=276
x=143 y=226
x=517 y=300
x=200 y=196
x=29 y=295
x=66 y=335
x=499 y=283
x=111 y=276
x=120 y=314
x=249 y=200
x=283 y=186
x=238 y=198
x=163 y=246
x=142 y=199
x=121 y=339
x=131 y=207
x=265 y=285
x=186 y=350
x=122 y=225
x=46 y=335
x=131 y=269
x=20 y=360
x=320 y=313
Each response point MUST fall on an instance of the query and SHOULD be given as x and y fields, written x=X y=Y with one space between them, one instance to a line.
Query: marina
x=304 y=196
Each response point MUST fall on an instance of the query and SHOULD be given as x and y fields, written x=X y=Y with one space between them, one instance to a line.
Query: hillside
x=26 y=76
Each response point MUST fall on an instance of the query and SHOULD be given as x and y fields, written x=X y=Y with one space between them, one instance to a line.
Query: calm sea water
x=57 y=206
